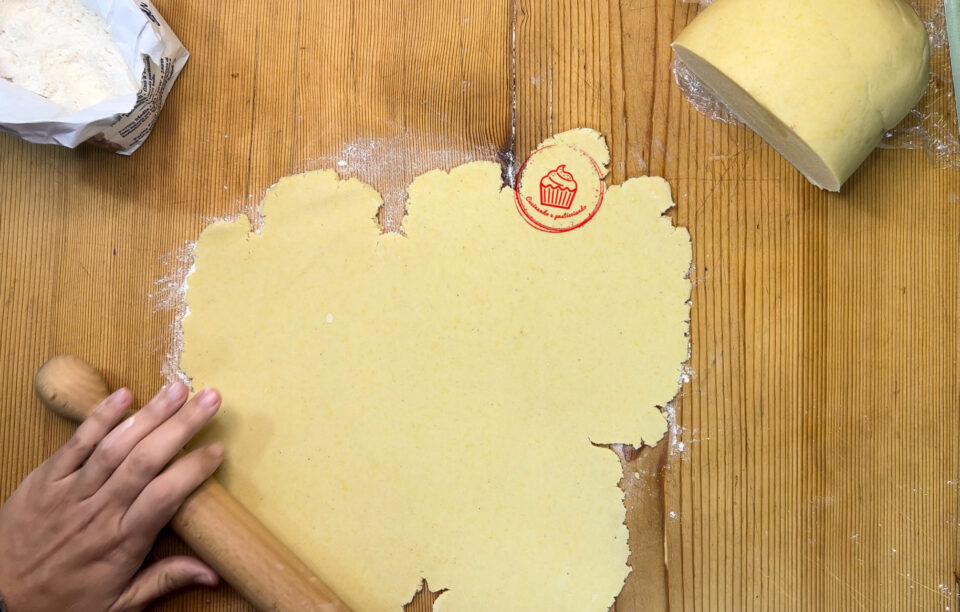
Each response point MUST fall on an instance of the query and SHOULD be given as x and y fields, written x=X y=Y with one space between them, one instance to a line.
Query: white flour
x=61 y=49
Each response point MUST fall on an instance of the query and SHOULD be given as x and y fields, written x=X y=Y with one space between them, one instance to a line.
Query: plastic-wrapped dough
x=820 y=80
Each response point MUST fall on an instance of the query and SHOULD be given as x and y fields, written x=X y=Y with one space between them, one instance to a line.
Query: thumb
x=161 y=578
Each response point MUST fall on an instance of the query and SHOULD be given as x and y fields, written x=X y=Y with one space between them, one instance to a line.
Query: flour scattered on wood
x=389 y=163
x=170 y=295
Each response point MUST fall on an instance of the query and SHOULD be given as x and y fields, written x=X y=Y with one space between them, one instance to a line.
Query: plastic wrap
x=930 y=126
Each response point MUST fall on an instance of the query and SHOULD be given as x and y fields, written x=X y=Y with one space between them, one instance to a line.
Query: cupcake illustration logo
x=559 y=188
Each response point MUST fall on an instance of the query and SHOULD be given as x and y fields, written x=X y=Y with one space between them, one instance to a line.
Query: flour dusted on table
x=61 y=49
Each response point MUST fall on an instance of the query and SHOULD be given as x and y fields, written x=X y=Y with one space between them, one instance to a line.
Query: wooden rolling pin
x=211 y=521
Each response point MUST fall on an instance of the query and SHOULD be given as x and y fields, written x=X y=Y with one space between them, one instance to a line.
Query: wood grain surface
x=815 y=464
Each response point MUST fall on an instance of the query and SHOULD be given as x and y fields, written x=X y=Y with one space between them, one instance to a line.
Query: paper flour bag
x=120 y=123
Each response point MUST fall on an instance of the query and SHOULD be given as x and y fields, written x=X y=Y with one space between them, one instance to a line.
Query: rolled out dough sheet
x=429 y=405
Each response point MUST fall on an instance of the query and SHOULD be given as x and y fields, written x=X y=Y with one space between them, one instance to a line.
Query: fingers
x=156 y=450
x=116 y=445
x=161 y=499
x=161 y=578
x=89 y=434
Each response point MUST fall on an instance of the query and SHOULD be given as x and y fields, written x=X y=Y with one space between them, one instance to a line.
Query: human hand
x=75 y=532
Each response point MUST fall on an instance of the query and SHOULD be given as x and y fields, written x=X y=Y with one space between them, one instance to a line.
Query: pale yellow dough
x=820 y=80
x=399 y=408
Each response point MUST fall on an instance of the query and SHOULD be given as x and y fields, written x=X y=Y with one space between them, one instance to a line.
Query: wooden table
x=817 y=462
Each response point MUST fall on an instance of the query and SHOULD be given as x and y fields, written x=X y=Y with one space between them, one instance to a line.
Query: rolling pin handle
x=210 y=521
x=70 y=386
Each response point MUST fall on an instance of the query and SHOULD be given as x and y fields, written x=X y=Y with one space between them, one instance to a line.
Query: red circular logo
x=559 y=188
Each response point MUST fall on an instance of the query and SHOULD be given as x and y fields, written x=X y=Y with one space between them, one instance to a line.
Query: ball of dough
x=820 y=80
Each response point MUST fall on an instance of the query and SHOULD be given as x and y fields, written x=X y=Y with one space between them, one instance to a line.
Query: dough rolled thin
x=426 y=406
x=819 y=80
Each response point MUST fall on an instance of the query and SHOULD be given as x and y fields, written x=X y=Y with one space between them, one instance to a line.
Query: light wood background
x=816 y=466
